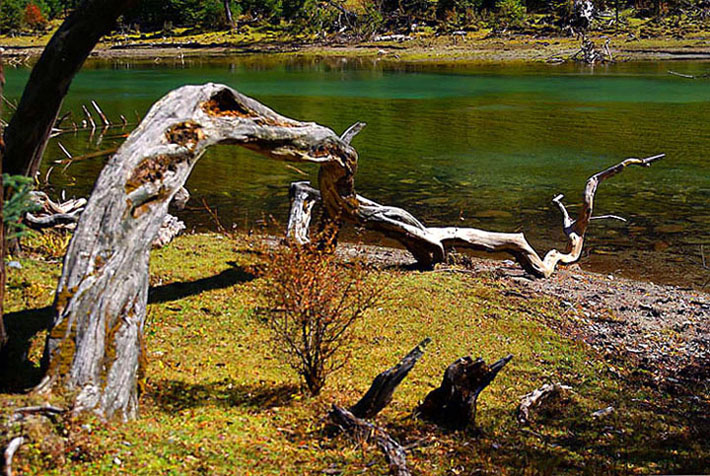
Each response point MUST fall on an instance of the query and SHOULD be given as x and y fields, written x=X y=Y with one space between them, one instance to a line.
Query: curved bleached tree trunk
x=95 y=347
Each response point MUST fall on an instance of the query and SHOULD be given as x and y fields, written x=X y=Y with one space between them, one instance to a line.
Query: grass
x=220 y=400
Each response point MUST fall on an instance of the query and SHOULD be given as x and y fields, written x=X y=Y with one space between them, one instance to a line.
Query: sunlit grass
x=220 y=400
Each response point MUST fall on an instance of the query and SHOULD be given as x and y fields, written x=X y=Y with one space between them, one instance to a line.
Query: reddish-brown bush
x=312 y=301
x=34 y=18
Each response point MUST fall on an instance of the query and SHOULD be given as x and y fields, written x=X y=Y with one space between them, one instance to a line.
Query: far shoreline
x=420 y=50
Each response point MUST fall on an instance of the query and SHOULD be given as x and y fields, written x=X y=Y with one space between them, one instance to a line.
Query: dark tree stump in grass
x=380 y=393
x=453 y=404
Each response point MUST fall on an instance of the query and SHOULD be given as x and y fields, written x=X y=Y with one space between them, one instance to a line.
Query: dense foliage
x=357 y=17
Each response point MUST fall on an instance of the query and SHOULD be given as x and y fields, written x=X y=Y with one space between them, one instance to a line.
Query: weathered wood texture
x=50 y=79
x=537 y=398
x=52 y=214
x=363 y=431
x=95 y=345
x=453 y=404
x=429 y=244
x=379 y=395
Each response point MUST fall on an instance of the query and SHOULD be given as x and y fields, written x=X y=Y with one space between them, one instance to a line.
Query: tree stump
x=453 y=404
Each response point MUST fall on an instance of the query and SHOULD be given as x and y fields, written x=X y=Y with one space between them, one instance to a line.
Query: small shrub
x=50 y=244
x=312 y=303
x=18 y=204
x=33 y=17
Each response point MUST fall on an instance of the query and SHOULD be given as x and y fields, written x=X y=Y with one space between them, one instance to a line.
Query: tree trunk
x=95 y=346
x=228 y=13
x=50 y=79
x=3 y=333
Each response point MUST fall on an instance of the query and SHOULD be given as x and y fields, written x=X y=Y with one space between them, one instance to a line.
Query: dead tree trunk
x=95 y=346
x=453 y=404
x=50 y=79
x=429 y=245
x=228 y=13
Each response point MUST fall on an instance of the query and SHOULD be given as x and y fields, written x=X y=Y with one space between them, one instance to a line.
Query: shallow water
x=484 y=146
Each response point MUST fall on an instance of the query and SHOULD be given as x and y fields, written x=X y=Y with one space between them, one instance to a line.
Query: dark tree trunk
x=3 y=334
x=228 y=13
x=27 y=134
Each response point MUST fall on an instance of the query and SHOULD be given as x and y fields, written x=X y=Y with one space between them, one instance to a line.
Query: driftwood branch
x=362 y=431
x=536 y=398
x=9 y=453
x=690 y=76
x=380 y=392
x=429 y=245
x=53 y=214
x=303 y=197
x=453 y=404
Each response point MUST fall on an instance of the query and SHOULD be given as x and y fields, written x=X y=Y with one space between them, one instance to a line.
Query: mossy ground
x=220 y=400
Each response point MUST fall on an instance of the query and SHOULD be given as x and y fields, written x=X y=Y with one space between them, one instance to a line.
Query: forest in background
x=359 y=19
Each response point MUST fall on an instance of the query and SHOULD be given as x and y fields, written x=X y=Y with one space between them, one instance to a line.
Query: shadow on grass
x=17 y=372
x=174 y=291
x=174 y=395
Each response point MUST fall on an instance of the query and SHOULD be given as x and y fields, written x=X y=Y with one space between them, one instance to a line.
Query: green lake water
x=482 y=146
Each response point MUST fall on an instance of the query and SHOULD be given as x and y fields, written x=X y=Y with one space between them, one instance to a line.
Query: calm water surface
x=483 y=146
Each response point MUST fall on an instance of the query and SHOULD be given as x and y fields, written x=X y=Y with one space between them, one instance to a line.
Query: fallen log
x=537 y=398
x=453 y=404
x=429 y=245
x=52 y=214
x=363 y=431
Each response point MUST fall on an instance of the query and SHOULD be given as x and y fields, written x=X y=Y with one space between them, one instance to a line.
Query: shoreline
x=660 y=329
x=474 y=49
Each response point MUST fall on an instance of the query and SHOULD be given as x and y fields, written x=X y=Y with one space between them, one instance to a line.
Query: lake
x=486 y=146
